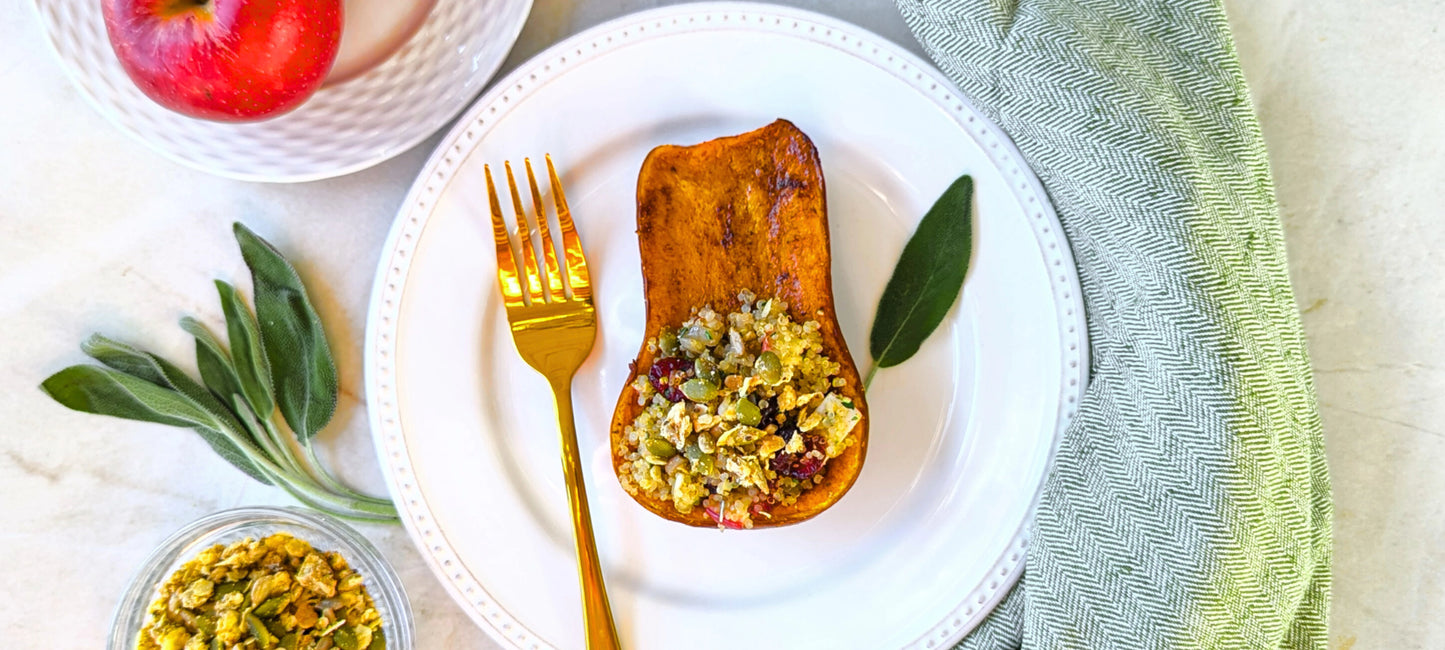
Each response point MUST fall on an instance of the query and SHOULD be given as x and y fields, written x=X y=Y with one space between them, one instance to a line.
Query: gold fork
x=554 y=334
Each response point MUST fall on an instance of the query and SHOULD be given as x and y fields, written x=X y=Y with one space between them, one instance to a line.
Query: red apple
x=226 y=60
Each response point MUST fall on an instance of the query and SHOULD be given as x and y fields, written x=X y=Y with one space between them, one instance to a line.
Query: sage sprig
x=277 y=362
x=926 y=281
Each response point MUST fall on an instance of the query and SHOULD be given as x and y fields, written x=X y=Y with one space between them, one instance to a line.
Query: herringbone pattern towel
x=1190 y=505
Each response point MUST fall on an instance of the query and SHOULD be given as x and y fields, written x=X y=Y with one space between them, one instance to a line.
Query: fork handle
x=596 y=611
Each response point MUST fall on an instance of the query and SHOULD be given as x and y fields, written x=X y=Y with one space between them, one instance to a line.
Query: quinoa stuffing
x=741 y=414
x=275 y=592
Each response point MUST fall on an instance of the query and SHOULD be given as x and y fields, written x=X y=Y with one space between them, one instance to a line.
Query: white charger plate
x=343 y=128
x=934 y=531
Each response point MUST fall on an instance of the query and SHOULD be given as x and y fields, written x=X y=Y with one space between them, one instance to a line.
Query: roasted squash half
x=740 y=212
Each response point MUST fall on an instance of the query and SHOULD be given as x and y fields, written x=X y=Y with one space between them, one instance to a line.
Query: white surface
x=346 y=126
x=932 y=533
x=99 y=233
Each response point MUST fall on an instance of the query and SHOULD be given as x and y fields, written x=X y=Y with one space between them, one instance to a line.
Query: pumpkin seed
x=345 y=639
x=769 y=368
x=704 y=368
x=748 y=413
x=259 y=632
x=660 y=447
x=667 y=342
x=271 y=607
x=699 y=390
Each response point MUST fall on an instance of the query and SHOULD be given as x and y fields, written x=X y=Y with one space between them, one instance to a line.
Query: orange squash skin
x=740 y=212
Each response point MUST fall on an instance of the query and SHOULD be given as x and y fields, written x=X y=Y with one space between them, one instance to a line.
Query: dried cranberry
x=667 y=375
x=804 y=464
x=807 y=465
x=782 y=463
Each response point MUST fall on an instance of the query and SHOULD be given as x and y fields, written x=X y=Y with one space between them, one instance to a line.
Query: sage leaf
x=927 y=279
x=217 y=371
x=247 y=351
x=122 y=357
x=107 y=391
x=292 y=336
x=145 y=365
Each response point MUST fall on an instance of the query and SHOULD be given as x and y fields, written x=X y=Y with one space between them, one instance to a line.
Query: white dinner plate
x=345 y=127
x=933 y=532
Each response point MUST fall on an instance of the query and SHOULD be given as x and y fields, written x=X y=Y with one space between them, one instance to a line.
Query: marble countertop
x=97 y=233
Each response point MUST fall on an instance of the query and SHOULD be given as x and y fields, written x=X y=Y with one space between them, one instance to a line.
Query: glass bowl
x=322 y=531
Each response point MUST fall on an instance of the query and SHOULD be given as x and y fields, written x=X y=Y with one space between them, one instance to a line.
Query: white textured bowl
x=344 y=128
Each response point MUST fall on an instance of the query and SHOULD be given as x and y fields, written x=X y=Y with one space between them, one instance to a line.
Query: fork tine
x=577 y=277
x=549 y=250
x=506 y=260
x=533 y=284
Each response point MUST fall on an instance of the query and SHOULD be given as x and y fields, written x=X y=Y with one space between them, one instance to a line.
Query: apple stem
x=173 y=8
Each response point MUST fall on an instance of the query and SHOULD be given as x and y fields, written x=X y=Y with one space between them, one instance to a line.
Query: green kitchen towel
x=1189 y=505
